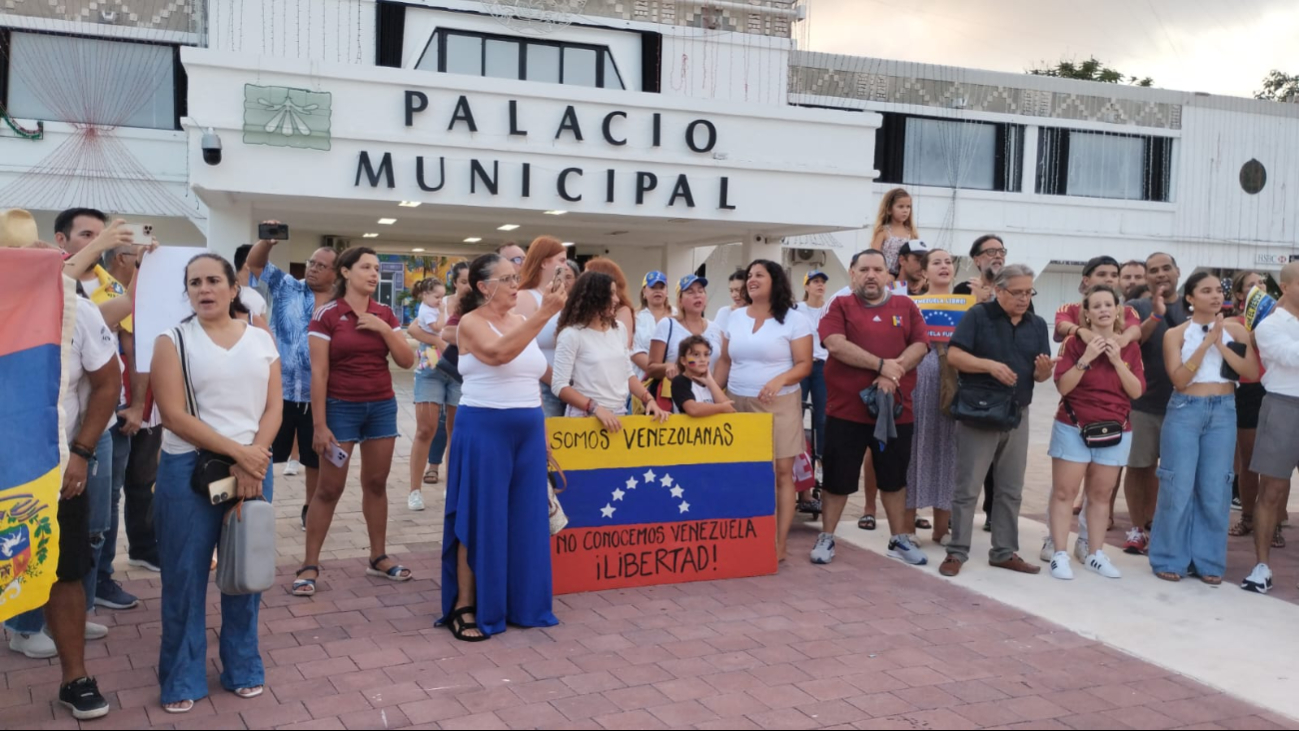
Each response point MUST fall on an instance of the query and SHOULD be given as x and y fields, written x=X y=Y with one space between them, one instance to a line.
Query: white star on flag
x=649 y=476
x=631 y=483
x=666 y=481
x=617 y=494
x=677 y=491
x=607 y=510
x=684 y=506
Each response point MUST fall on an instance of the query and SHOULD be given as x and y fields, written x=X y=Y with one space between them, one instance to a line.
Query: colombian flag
x=36 y=318
x=942 y=313
x=687 y=500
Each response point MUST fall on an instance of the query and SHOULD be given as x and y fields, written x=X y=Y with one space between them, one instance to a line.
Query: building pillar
x=761 y=247
x=229 y=226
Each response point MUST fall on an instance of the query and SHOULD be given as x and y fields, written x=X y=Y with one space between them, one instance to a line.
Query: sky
x=1190 y=45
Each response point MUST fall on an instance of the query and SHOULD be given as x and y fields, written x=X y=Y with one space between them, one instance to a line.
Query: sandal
x=249 y=692
x=431 y=475
x=924 y=524
x=1168 y=576
x=1211 y=580
x=866 y=522
x=305 y=587
x=1278 y=540
x=1244 y=527
x=458 y=626
x=185 y=707
x=396 y=572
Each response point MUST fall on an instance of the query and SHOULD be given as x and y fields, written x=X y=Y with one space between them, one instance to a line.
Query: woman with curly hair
x=592 y=372
x=766 y=354
x=625 y=314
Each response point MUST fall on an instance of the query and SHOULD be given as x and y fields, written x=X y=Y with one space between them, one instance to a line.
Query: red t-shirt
x=1099 y=396
x=358 y=359
x=1069 y=313
x=884 y=330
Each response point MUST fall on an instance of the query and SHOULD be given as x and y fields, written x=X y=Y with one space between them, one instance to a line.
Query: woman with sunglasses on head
x=1204 y=356
x=353 y=403
x=496 y=485
x=234 y=374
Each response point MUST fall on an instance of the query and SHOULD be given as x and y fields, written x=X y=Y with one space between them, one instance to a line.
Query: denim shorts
x=361 y=421
x=432 y=386
x=1067 y=444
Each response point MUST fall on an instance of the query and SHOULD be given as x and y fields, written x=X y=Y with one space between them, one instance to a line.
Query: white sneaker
x=1100 y=563
x=1081 y=550
x=1060 y=567
x=95 y=631
x=1259 y=581
x=144 y=564
x=823 y=553
x=292 y=468
x=415 y=501
x=903 y=549
x=36 y=645
x=1048 y=550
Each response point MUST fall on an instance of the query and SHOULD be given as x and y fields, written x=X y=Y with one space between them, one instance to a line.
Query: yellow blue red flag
x=942 y=313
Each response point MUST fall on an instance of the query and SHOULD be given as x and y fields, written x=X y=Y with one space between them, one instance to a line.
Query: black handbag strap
x=191 y=401
x=672 y=324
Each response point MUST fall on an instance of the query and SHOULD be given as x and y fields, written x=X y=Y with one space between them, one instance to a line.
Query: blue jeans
x=815 y=384
x=1198 y=445
x=439 y=445
x=188 y=528
x=98 y=491
x=121 y=451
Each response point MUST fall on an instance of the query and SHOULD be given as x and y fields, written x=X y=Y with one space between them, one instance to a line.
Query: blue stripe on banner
x=635 y=495
x=942 y=318
x=29 y=419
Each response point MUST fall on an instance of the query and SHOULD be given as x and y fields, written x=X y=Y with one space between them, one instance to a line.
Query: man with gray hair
x=1000 y=350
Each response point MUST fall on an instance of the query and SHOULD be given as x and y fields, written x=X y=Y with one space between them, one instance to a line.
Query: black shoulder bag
x=211 y=467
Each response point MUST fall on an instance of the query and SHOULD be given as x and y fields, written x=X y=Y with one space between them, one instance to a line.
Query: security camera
x=211 y=145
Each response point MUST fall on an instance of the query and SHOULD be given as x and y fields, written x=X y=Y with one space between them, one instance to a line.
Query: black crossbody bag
x=1096 y=434
x=986 y=404
x=211 y=467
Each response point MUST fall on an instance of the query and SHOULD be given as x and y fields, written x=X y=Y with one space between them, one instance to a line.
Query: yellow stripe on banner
x=583 y=444
x=29 y=543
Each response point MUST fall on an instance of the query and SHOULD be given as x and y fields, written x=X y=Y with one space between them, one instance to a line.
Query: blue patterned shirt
x=293 y=304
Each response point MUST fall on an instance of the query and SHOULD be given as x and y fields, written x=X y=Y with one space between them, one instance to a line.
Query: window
x=1104 y=165
x=947 y=153
x=506 y=57
x=92 y=81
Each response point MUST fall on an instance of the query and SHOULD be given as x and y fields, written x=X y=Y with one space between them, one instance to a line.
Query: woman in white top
x=593 y=373
x=543 y=266
x=814 y=306
x=496 y=538
x=654 y=307
x=625 y=314
x=692 y=300
x=735 y=287
x=766 y=353
x=234 y=371
x=1198 y=441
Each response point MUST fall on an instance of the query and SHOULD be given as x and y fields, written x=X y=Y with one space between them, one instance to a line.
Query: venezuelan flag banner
x=36 y=311
x=942 y=313
x=687 y=500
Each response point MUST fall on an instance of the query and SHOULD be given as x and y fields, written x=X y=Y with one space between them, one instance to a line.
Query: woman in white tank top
x=1198 y=441
x=497 y=476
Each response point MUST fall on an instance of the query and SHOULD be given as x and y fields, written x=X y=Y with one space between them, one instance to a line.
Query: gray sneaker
x=1081 y=550
x=823 y=553
x=903 y=549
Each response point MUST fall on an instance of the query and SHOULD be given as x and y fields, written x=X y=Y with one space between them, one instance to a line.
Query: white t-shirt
x=1278 y=348
x=595 y=363
x=721 y=317
x=756 y=358
x=427 y=317
x=255 y=303
x=93 y=345
x=229 y=385
x=814 y=315
x=640 y=339
x=671 y=332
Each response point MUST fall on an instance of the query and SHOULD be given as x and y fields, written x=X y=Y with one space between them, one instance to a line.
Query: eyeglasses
x=313 y=264
x=508 y=279
x=1021 y=294
x=994 y=252
x=516 y=261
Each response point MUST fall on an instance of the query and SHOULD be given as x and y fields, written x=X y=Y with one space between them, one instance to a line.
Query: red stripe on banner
x=619 y=557
x=31 y=311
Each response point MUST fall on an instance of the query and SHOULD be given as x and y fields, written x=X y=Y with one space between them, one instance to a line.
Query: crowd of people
x=1157 y=377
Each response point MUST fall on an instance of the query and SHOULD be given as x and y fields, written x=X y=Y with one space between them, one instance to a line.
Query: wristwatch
x=1083 y=366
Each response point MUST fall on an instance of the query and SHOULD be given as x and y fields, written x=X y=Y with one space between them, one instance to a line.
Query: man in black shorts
x=859 y=380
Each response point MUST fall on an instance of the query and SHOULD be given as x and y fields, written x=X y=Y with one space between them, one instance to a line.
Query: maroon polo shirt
x=885 y=330
x=358 y=359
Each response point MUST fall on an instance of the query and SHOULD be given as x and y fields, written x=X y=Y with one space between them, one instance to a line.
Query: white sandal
x=186 y=707
x=251 y=692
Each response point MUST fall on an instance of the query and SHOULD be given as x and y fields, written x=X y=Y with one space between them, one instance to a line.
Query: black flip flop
x=866 y=522
x=924 y=524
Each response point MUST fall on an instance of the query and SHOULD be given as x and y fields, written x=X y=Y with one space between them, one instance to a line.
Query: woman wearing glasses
x=497 y=477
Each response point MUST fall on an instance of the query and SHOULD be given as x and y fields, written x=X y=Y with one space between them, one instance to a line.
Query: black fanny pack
x=1097 y=434
x=449 y=363
x=982 y=405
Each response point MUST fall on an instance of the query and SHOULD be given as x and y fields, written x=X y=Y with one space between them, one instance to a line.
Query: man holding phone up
x=294 y=301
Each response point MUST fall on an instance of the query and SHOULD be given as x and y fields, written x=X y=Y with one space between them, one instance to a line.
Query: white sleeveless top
x=512 y=385
x=1210 y=370
x=546 y=338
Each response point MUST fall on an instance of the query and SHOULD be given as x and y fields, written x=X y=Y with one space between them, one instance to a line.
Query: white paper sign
x=160 y=298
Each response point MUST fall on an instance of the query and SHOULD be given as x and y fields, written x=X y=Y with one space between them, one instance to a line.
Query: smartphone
x=222 y=490
x=141 y=232
x=335 y=455
x=558 y=279
x=273 y=231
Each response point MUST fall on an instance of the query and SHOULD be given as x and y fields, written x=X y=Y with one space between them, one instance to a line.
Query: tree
x=1090 y=70
x=1279 y=87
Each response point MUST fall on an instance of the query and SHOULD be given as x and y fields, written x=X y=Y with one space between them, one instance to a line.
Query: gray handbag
x=246 y=551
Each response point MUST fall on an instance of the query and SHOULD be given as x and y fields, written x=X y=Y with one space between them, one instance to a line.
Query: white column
x=678 y=261
x=229 y=226
x=761 y=247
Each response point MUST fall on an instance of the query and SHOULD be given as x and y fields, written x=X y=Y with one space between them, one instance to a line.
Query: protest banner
x=1258 y=305
x=942 y=313
x=37 y=313
x=160 y=298
x=686 y=500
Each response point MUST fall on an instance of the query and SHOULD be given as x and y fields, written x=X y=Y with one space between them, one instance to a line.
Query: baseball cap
x=915 y=246
x=653 y=278
x=688 y=280
x=815 y=274
x=1097 y=262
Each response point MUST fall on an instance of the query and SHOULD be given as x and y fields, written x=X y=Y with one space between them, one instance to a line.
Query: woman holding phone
x=352 y=401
